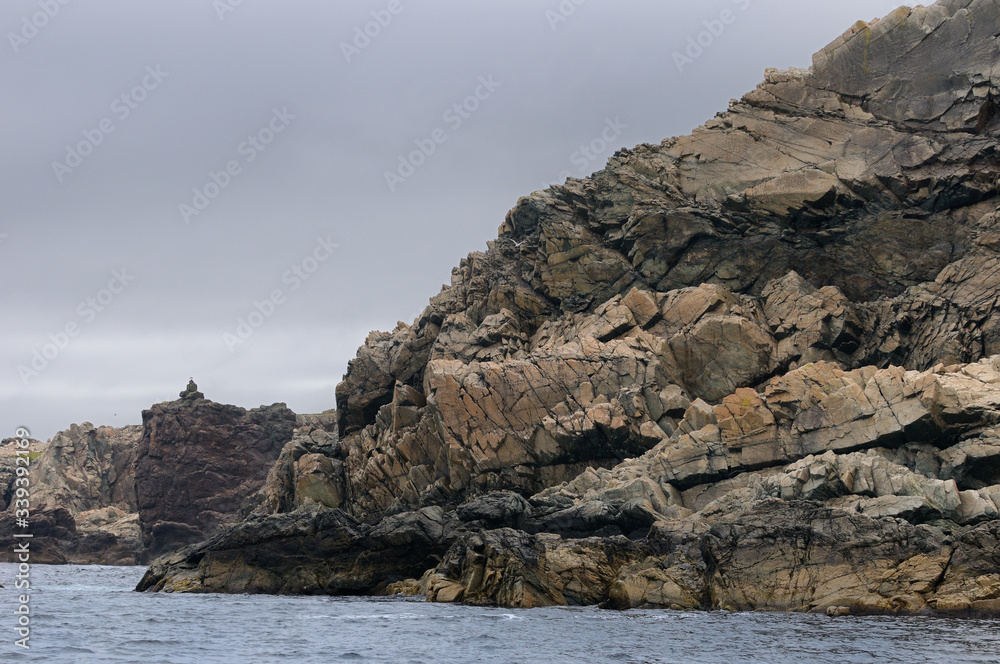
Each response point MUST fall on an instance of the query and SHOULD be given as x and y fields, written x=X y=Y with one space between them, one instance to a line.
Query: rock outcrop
x=82 y=498
x=8 y=463
x=87 y=467
x=309 y=470
x=198 y=462
x=308 y=551
x=757 y=367
x=844 y=213
x=198 y=465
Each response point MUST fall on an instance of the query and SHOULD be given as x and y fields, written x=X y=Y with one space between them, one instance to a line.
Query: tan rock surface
x=83 y=482
x=755 y=367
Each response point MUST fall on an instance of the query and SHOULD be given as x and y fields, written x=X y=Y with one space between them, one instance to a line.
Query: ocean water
x=90 y=614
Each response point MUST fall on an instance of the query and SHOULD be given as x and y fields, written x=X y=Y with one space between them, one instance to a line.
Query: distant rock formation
x=8 y=464
x=86 y=467
x=757 y=367
x=119 y=495
x=82 y=498
x=198 y=461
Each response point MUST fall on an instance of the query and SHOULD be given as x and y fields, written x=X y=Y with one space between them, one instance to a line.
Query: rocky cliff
x=753 y=367
x=82 y=498
x=845 y=213
x=198 y=461
x=8 y=464
x=86 y=466
x=117 y=495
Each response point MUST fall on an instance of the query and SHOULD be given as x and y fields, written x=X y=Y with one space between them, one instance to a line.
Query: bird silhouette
x=515 y=242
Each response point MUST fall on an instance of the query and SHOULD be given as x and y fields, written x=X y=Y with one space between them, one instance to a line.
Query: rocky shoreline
x=753 y=368
x=121 y=496
x=881 y=522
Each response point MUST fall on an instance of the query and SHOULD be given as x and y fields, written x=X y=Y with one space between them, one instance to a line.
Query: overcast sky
x=167 y=165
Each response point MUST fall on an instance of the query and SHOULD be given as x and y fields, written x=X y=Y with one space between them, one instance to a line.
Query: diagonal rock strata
x=755 y=367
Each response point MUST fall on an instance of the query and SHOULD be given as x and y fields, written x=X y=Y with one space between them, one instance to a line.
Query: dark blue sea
x=90 y=614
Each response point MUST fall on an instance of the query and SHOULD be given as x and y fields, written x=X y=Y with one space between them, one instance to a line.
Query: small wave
x=373 y=617
x=154 y=628
x=389 y=616
x=78 y=649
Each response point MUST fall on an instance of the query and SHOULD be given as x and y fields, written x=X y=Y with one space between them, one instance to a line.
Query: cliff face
x=198 y=461
x=83 y=506
x=309 y=470
x=8 y=464
x=85 y=467
x=108 y=495
x=753 y=367
x=844 y=213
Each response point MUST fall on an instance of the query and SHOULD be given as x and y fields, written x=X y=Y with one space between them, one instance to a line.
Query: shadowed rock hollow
x=753 y=367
